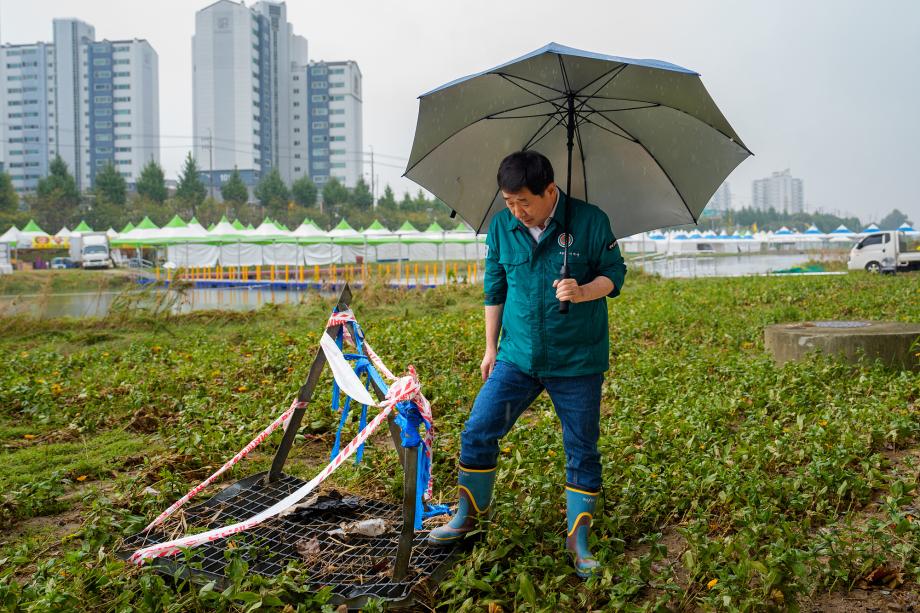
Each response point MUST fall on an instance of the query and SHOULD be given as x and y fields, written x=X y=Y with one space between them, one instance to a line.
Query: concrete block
x=897 y=344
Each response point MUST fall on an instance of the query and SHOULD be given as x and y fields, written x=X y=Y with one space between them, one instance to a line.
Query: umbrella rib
x=615 y=69
x=627 y=108
x=508 y=77
x=542 y=99
x=615 y=74
x=668 y=106
x=533 y=142
x=523 y=106
x=652 y=155
x=553 y=114
x=458 y=131
x=594 y=123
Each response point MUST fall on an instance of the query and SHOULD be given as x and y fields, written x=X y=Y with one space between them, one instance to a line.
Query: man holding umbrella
x=541 y=348
x=640 y=139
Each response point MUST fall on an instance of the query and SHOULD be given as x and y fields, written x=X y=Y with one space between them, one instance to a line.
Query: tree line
x=57 y=202
x=772 y=219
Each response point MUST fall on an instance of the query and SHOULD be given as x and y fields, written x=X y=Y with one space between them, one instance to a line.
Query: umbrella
x=641 y=139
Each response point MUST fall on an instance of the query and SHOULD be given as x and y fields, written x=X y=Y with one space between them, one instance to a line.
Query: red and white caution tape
x=340 y=318
x=281 y=421
x=405 y=388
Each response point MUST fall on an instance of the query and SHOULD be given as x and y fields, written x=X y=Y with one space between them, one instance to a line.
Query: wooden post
x=304 y=395
x=407 y=534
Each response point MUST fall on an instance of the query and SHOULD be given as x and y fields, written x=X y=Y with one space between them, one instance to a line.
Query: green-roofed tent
x=32 y=230
x=176 y=222
x=128 y=227
x=33 y=227
x=144 y=233
x=237 y=224
x=82 y=227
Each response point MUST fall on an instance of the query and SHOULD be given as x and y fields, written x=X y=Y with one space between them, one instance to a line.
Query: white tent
x=10 y=236
x=314 y=245
x=186 y=244
x=63 y=233
x=31 y=231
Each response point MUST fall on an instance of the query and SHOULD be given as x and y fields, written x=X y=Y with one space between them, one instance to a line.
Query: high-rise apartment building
x=336 y=146
x=253 y=99
x=781 y=192
x=242 y=62
x=722 y=199
x=91 y=102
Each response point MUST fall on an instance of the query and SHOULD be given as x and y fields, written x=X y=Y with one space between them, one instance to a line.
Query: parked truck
x=91 y=250
x=884 y=252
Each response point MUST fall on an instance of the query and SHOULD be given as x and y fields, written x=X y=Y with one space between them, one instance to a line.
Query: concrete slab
x=897 y=344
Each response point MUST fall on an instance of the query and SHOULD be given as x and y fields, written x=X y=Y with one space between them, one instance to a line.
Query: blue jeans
x=508 y=392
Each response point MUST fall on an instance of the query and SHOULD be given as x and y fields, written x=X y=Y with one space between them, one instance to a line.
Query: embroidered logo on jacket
x=565 y=240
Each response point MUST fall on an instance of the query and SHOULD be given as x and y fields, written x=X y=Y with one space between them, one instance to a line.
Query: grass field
x=729 y=483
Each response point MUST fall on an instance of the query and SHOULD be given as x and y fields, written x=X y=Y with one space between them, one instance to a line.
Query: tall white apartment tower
x=242 y=61
x=780 y=191
x=91 y=102
x=70 y=71
x=336 y=147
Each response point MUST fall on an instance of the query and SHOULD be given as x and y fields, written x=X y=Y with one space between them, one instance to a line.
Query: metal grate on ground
x=355 y=569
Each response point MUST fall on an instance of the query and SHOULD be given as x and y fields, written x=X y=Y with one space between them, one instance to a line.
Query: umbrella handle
x=564 y=304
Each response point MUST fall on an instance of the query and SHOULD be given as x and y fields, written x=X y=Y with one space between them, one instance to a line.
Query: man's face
x=530 y=209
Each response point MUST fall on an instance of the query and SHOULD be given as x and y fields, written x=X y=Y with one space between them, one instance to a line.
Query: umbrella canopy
x=642 y=139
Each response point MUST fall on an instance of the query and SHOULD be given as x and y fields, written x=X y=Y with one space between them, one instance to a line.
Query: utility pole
x=373 y=182
x=210 y=164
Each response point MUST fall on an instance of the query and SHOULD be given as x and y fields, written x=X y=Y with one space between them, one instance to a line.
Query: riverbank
x=729 y=482
x=44 y=282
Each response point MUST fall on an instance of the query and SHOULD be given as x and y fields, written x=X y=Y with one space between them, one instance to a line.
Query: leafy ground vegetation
x=729 y=483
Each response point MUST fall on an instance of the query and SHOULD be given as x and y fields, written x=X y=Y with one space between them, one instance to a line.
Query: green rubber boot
x=475 y=487
x=580 y=506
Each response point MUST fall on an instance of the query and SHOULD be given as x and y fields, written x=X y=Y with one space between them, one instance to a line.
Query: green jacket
x=520 y=272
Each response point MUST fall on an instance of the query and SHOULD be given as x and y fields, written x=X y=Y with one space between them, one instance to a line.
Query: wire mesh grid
x=354 y=566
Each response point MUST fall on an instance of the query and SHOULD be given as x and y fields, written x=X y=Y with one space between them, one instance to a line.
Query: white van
x=884 y=252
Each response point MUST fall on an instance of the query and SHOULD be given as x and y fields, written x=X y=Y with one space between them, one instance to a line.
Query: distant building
x=91 y=102
x=243 y=59
x=722 y=199
x=781 y=192
x=257 y=105
x=336 y=147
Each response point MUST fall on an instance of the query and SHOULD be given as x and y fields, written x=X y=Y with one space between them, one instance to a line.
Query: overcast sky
x=829 y=89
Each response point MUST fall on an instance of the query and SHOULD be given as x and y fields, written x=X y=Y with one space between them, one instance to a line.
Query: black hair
x=525 y=169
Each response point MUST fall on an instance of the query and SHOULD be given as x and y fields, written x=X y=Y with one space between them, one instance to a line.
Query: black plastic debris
x=356 y=567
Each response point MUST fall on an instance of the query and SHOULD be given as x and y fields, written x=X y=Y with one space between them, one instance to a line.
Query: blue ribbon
x=408 y=418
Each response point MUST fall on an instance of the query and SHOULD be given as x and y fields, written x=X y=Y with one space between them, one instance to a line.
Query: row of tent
x=680 y=241
x=232 y=243
x=228 y=243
